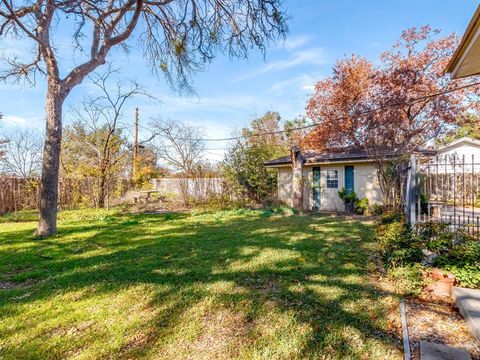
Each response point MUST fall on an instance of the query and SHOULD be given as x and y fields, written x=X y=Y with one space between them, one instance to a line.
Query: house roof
x=350 y=154
x=463 y=140
x=466 y=58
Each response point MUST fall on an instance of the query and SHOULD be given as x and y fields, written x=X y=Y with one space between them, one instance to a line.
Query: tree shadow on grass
x=313 y=268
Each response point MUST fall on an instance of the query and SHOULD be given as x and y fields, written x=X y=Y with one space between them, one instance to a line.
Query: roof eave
x=460 y=53
x=465 y=139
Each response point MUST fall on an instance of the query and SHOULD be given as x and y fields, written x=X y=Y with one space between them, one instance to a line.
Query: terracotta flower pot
x=443 y=282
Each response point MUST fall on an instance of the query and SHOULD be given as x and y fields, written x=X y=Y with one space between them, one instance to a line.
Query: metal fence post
x=411 y=177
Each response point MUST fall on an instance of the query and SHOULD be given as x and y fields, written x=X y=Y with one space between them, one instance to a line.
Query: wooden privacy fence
x=17 y=194
x=23 y=193
x=445 y=189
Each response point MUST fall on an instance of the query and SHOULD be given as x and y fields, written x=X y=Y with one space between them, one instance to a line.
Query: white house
x=460 y=155
x=325 y=173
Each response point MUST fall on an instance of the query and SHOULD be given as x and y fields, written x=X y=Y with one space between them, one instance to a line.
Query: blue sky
x=229 y=93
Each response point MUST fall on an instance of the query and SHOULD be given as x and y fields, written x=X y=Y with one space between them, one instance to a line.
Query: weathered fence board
x=23 y=194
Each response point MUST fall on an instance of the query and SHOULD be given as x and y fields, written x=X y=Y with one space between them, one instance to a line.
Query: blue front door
x=349 y=182
x=316 y=188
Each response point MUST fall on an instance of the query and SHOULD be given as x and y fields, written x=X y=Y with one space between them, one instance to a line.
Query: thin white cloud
x=15 y=120
x=296 y=42
x=314 y=57
x=234 y=102
x=300 y=83
x=20 y=121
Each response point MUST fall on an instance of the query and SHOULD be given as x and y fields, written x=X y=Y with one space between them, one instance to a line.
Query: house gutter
x=346 y=161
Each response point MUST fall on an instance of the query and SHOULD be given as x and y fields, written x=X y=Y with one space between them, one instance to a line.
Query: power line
x=412 y=102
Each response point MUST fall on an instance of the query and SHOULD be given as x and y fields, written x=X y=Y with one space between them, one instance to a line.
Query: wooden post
x=297 y=168
x=135 y=149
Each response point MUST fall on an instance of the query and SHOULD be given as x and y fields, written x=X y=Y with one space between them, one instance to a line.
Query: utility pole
x=135 y=147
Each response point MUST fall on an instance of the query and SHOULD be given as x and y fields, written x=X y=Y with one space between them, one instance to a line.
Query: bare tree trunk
x=102 y=191
x=47 y=224
x=297 y=164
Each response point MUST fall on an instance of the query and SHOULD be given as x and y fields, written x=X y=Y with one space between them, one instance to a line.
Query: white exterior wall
x=462 y=149
x=365 y=185
x=285 y=185
x=459 y=151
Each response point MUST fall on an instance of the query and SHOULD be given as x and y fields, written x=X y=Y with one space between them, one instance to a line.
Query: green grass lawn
x=236 y=284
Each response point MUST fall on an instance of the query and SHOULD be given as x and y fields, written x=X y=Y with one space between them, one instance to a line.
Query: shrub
x=408 y=279
x=349 y=198
x=435 y=236
x=377 y=209
x=401 y=249
x=362 y=206
x=353 y=203
x=463 y=260
x=467 y=275
x=391 y=217
x=398 y=244
x=430 y=229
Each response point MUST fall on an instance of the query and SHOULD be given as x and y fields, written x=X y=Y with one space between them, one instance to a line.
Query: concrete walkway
x=432 y=351
x=468 y=302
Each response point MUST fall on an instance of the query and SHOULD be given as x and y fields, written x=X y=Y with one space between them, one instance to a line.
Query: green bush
x=408 y=279
x=431 y=229
x=401 y=249
x=349 y=198
x=391 y=217
x=423 y=204
x=362 y=206
x=398 y=244
x=467 y=275
x=435 y=236
x=463 y=260
x=353 y=203
x=377 y=209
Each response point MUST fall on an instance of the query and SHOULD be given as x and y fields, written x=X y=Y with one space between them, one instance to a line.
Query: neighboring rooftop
x=348 y=154
x=464 y=140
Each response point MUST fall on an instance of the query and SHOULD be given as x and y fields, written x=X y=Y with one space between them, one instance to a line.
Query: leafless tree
x=178 y=38
x=23 y=154
x=98 y=128
x=179 y=145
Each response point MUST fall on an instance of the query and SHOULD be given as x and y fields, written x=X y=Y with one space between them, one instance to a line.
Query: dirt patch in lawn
x=438 y=323
x=223 y=334
x=74 y=330
x=10 y=285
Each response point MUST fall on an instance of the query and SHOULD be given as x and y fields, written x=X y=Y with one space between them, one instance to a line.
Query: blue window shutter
x=349 y=182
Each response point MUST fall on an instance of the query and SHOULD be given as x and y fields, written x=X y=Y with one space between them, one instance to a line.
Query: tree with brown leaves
x=398 y=106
